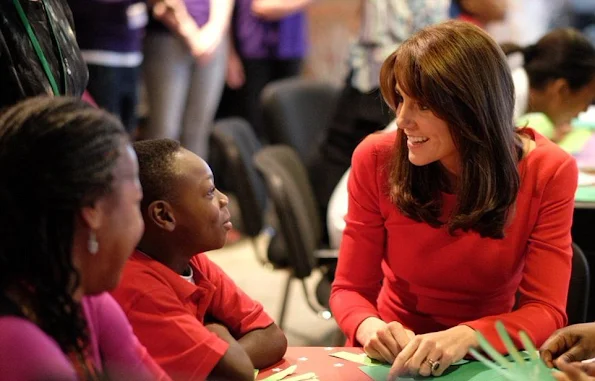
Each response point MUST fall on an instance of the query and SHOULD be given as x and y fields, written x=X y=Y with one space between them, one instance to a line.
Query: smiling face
x=428 y=137
x=200 y=210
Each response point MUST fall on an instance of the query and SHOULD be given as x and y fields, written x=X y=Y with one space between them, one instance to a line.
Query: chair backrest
x=297 y=111
x=236 y=142
x=293 y=198
x=580 y=284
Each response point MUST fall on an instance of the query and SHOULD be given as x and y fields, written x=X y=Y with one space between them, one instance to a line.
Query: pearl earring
x=92 y=244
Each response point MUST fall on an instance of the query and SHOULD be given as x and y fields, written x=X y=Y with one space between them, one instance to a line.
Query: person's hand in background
x=575 y=371
x=276 y=9
x=570 y=344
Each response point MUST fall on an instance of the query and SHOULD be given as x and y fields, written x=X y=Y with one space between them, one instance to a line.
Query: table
x=328 y=368
x=317 y=360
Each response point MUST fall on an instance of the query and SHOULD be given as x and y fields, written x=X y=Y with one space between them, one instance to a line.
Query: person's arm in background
x=213 y=33
x=261 y=338
x=277 y=9
x=235 y=76
x=570 y=344
x=485 y=11
x=174 y=15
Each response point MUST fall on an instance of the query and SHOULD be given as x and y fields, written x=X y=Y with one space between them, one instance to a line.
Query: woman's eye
x=423 y=107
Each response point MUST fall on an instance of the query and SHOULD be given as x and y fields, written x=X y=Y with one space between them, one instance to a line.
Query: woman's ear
x=93 y=215
x=162 y=215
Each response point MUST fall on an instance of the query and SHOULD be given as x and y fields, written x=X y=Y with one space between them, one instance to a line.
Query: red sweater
x=396 y=269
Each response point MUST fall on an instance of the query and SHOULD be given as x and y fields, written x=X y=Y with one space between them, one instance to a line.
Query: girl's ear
x=93 y=215
x=161 y=214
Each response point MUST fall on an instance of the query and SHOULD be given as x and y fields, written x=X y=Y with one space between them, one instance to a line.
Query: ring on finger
x=434 y=365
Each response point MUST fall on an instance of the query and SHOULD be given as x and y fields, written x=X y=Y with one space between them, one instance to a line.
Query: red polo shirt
x=167 y=313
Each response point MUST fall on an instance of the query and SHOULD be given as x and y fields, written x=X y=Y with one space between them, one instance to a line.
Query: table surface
x=317 y=360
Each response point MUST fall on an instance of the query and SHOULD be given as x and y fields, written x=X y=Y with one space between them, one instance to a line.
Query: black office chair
x=296 y=112
x=291 y=193
x=580 y=285
x=235 y=143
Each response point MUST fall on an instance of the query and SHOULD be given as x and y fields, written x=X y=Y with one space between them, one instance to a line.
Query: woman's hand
x=204 y=43
x=444 y=348
x=572 y=343
x=575 y=371
x=383 y=341
x=235 y=76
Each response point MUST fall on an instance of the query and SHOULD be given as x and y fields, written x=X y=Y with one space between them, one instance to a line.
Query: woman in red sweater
x=454 y=214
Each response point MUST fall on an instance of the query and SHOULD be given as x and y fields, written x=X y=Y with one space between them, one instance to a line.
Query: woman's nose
x=223 y=199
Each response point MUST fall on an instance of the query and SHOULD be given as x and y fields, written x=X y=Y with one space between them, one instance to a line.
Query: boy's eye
x=212 y=191
x=423 y=107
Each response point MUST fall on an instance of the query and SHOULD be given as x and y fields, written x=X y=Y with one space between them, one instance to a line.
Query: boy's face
x=200 y=210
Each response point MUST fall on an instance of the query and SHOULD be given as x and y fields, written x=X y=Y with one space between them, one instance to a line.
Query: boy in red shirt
x=192 y=318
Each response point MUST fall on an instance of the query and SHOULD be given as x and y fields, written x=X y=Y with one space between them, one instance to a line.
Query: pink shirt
x=27 y=353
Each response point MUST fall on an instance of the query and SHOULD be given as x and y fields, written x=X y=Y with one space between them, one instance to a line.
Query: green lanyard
x=37 y=46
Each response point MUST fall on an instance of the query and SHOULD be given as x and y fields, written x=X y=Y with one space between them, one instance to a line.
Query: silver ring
x=434 y=365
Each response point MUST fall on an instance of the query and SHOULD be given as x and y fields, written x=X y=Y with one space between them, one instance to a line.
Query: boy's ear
x=161 y=214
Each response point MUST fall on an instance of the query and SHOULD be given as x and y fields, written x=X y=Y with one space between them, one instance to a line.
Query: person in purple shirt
x=269 y=42
x=69 y=221
x=184 y=77
x=110 y=34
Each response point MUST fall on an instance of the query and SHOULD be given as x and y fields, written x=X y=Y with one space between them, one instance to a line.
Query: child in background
x=555 y=83
x=193 y=319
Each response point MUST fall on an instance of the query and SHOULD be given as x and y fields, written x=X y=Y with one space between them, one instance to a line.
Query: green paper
x=472 y=371
x=585 y=194
x=255 y=373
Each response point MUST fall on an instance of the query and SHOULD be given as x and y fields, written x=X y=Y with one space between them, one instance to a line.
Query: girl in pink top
x=70 y=219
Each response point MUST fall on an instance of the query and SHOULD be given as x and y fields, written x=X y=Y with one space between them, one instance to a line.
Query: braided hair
x=57 y=155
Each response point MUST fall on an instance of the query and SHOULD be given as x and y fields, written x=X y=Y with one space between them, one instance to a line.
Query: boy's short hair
x=155 y=169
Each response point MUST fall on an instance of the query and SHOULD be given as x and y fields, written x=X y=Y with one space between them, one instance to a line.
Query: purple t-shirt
x=198 y=9
x=27 y=353
x=258 y=38
x=113 y=26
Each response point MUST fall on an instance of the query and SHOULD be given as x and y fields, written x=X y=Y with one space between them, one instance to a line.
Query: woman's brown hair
x=462 y=75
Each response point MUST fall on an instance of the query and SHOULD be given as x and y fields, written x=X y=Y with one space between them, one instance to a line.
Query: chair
x=235 y=143
x=296 y=112
x=580 y=284
x=291 y=193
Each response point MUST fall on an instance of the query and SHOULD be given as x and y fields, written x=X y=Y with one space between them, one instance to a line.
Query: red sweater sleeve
x=548 y=261
x=354 y=293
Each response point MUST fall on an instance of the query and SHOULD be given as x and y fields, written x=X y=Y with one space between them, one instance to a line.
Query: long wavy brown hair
x=461 y=74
